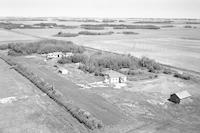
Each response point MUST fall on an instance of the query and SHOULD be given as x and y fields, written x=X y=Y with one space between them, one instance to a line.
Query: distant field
x=173 y=46
x=10 y=36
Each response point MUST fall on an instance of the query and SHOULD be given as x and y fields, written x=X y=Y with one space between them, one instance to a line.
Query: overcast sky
x=102 y=8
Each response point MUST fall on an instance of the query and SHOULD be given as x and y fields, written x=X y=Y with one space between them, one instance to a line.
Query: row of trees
x=122 y=26
x=43 y=46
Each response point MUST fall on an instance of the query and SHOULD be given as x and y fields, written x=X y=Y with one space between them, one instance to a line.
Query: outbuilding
x=177 y=97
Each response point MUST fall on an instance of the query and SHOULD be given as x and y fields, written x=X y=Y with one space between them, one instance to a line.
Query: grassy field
x=24 y=108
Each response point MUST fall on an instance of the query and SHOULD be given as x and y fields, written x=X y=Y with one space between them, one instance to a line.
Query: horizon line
x=99 y=17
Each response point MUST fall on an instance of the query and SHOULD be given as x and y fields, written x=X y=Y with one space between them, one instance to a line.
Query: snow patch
x=8 y=100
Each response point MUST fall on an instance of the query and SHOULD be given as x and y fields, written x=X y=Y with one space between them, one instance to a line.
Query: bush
x=92 y=27
x=95 y=33
x=142 y=27
x=61 y=34
x=167 y=71
x=150 y=64
x=3 y=46
x=122 y=26
x=187 y=26
x=65 y=60
x=119 y=27
x=167 y=26
x=13 y=53
x=155 y=22
x=129 y=33
x=76 y=58
x=79 y=58
x=182 y=76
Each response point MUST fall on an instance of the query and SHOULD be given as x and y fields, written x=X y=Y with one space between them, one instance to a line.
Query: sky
x=101 y=8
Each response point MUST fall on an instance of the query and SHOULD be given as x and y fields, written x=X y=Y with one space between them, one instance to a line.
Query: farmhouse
x=63 y=71
x=58 y=55
x=114 y=77
x=54 y=55
x=177 y=97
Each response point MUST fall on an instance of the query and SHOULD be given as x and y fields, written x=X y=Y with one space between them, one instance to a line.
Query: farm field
x=24 y=108
x=9 y=36
x=181 y=43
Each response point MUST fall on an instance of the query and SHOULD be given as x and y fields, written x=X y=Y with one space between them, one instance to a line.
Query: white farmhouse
x=54 y=55
x=58 y=55
x=114 y=77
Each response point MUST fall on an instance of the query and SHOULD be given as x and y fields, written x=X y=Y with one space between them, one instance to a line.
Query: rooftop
x=183 y=94
x=113 y=74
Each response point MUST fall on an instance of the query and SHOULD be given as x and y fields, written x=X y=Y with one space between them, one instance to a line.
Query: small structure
x=63 y=71
x=114 y=77
x=177 y=97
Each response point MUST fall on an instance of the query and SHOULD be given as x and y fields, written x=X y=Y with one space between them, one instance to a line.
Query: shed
x=177 y=97
x=63 y=71
x=114 y=77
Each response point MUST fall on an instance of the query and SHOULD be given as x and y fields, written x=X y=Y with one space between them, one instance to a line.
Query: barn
x=177 y=97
